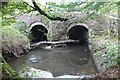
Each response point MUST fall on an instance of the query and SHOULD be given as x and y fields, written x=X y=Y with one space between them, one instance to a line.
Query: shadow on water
x=71 y=59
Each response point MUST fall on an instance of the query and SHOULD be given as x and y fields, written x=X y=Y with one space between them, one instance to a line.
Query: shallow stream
x=68 y=60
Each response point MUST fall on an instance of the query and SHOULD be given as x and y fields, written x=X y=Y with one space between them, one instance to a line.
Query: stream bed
x=68 y=60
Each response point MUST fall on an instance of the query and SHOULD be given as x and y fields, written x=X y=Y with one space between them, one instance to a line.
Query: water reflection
x=59 y=61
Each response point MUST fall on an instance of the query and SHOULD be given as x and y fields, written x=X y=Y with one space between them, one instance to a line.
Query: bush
x=106 y=52
x=13 y=41
x=22 y=27
x=11 y=34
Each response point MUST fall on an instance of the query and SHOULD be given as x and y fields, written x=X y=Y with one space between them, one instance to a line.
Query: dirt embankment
x=13 y=43
x=13 y=48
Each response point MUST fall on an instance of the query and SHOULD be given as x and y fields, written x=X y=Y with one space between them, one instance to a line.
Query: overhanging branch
x=36 y=7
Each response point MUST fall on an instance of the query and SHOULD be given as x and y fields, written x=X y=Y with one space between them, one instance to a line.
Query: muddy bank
x=11 y=51
x=13 y=42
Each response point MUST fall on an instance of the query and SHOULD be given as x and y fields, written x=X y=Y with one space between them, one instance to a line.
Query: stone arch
x=38 y=32
x=78 y=32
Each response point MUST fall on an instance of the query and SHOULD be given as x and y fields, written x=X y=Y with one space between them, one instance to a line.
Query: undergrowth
x=106 y=52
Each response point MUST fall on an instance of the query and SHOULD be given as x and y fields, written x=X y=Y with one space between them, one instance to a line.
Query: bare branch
x=29 y=5
x=36 y=7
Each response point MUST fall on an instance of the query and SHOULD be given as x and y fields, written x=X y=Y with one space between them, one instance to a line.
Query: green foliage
x=92 y=9
x=13 y=36
x=22 y=27
x=6 y=21
x=118 y=60
x=10 y=33
x=8 y=72
x=6 y=69
x=13 y=9
x=112 y=52
x=12 y=29
x=106 y=51
x=12 y=39
x=64 y=6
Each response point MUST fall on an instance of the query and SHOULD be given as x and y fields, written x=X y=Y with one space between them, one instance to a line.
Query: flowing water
x=59 y=61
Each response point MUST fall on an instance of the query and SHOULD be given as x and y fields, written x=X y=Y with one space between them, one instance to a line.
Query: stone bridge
x=43 y=30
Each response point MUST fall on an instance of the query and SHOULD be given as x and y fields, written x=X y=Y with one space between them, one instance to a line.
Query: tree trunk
x=53 y=44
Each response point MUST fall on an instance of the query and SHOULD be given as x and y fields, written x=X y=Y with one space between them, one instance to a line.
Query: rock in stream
x=36 y=73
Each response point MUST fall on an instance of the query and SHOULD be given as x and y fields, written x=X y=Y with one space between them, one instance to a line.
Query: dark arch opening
x=39 y=33
x=79 y=32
